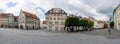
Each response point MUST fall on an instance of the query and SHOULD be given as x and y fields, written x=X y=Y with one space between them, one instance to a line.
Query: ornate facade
x=4 y=19
x=27 y=20
x=116 y=14
x=7 y=20
x=55 y=19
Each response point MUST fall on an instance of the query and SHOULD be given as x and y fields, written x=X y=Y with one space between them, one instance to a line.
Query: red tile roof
x=4 y=15
x=16 y=17
x=100 y=21
x=44 y=22
x=30 y=15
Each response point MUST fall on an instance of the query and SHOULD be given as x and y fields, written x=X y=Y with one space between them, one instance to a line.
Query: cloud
x=41 y=10
x=1 y=10
x=99 y=9
x=11 y=4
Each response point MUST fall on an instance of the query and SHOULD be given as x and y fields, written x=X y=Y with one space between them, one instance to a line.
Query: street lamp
x=110 y=22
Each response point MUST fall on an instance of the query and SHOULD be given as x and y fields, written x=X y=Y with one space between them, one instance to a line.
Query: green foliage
x=112 y=24
x=83 y=22
x=86 y=24
x=105 y=25
x=72 y=21
x=90 y=23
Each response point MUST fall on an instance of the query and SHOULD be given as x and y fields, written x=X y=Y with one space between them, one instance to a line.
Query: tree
x=83 y=23
x=86 y=24
x=90 y=24
x=71 y=22
x=105 y=25
x=112 y=24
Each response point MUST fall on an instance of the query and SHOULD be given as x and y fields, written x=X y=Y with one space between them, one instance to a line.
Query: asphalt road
x=18 y=36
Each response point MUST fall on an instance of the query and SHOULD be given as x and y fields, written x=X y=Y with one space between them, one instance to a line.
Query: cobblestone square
x=17 y=36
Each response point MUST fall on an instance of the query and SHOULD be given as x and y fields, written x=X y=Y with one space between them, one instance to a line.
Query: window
x=54 y=18
x=56 y=23
x=58 y=14
x=61 y=18
x=64 y=18
x=62 y=11
x=50 y=18
x=50 y=23
x=56 y=28
x=58 y=18
x=54 y=14
x=62 y=23
x=50 y=11
x=50 y=28
x=62 y=28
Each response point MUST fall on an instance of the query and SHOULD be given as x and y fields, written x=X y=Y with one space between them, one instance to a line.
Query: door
x=21 y=26
x=50 y=28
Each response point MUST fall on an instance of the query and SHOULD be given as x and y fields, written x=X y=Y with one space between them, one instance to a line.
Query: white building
x=116 y=14
x=4 y=19
x=28 y=20
x=99 y=24
x=7 y=20
x=43 y=25
x=13 y=21
x=55 y=19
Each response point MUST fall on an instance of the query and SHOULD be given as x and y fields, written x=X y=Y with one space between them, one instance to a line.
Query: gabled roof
x=30 y=15
x=100 y=22
x=53 y=11
x=16 y=17
x=5 y=15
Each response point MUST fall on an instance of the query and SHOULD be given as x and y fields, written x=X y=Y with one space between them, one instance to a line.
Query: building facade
x=13 y=21
x=28 y=20
x=99 y=24
x=116 y=14
x=4 y=19
x=43 y=24
x=7 y=20
x=55 y=19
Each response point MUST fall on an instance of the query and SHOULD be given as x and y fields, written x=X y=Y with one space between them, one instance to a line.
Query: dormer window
x=62 y=11
x=50 y=11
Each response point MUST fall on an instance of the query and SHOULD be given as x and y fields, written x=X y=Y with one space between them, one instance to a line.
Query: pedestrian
x=109 y=31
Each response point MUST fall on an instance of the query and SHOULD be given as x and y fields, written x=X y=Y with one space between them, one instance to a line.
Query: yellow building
x=116 y=14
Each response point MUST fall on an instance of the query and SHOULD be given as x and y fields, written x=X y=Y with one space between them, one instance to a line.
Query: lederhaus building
x=28 y=20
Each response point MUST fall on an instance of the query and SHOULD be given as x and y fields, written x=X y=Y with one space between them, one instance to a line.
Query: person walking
x=109 y=31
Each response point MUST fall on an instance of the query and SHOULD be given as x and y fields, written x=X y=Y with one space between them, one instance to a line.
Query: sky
x=98 y=9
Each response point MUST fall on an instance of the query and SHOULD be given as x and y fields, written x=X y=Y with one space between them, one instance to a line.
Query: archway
x=2 y=26
x=33 y=27
x=44 y=27
x=26 y=27
x=21 y=26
